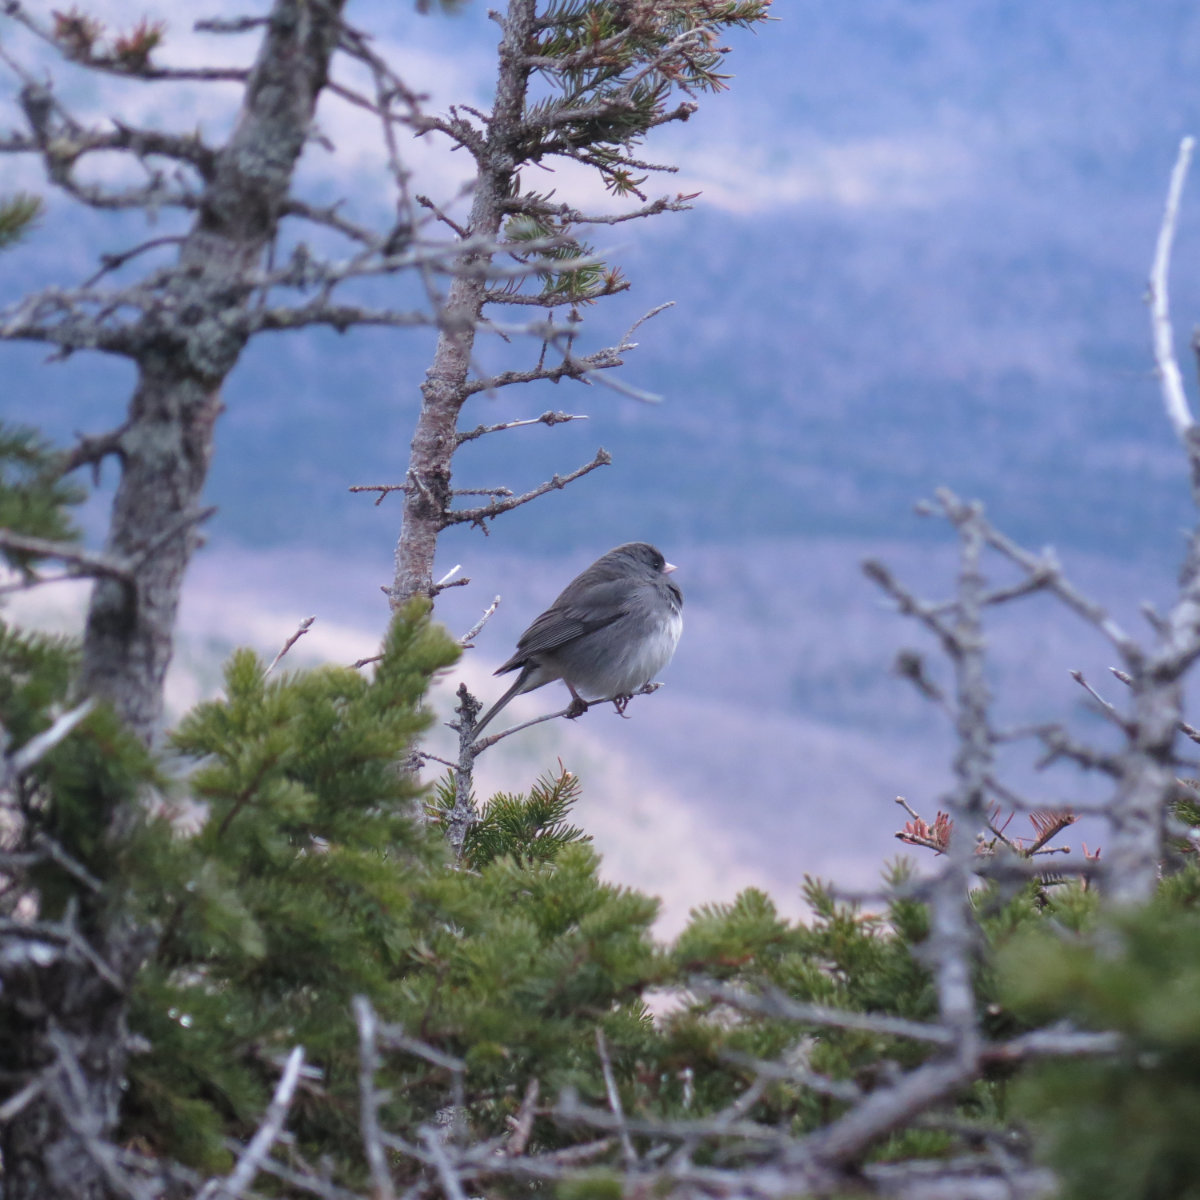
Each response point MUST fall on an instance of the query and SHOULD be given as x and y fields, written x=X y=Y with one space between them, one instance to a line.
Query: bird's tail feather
x=517 y=687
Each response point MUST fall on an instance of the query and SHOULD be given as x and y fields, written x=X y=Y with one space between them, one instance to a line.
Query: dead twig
x=301 y=630
x=250 y=1160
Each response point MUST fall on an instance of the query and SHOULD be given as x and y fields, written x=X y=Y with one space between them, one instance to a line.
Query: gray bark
x=66 y=1020
x=445 y=388
x=185 y=350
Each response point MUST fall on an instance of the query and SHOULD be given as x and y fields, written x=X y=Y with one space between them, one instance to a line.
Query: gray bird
x=613 y=628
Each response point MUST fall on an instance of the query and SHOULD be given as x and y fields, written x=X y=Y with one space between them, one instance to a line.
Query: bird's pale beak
x=669 y=567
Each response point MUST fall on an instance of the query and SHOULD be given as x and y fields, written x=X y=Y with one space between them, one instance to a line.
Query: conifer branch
x=18 y=215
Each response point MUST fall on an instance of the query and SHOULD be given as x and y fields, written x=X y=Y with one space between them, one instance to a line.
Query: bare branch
x=889 y=1108
x=477 y=516
x=38 y=747
x=522 y=1123
x=479 y=747
x=910 y=606
x=1047 y=568
x=1170 y=379
x=47 y=847
x=572 y=712
x=228 y=25
x=1189 y=731
x=113 y=262
x=451 y=1184
x=250 y=1161
x=614 y=1100
x=1108 y=709
x=774 y=1003
x=301 y=630
x=331 y=218
x=368 y=1068
x=337 y=316
x=467 y=638
x=570 y=215
x=19 y=1100
x=498 y=381
x=68 y=1087
x=85 y=562
x=1060 y=745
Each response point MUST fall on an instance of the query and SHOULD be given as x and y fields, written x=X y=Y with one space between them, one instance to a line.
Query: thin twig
x=19 y=1101
x=1108 y=709
x=1171 y=380
x=303 y=628
x=522 y=1123
x=547 y=418
x=775 y=1003
x=47 y=846
x=368 y=1067
x=478 y=516
x=446 y=1173
x=251 y=1159
x=39 y=746
x=1189 y=731
x=614 y=1101
x=572 y=712
x=472 y=633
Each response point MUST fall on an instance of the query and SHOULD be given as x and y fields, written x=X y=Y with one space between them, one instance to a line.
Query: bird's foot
x=576 y=708
x=621 y=703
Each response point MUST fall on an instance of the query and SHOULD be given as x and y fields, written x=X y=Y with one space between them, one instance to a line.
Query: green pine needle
x=18 y=215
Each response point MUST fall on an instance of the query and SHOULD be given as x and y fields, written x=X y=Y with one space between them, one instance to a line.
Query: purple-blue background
x=919 y=259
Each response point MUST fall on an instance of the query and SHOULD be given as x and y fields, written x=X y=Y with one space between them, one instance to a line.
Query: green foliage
x=530 y=828
x=572 y=272
x=34 y=500
x=842 y=958
x=18 y=214
x=293 y=867
x=595 y=1185
x=292 y=896
x=610 y=70
x=35 y=676
x=604 y=76
x=521 y=964
x=73 y=791
x=312 y=878
x=1122 y=1127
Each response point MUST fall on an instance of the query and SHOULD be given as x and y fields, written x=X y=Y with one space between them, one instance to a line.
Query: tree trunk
x=187 y=346
x=444 y=391
x=63 y=1019
x=67 y=1027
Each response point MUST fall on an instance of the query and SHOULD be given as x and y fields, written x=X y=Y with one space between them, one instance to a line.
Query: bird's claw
x=621 y=703
x=576 y=708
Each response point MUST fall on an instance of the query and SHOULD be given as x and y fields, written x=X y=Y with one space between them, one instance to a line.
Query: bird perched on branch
x=613 y=628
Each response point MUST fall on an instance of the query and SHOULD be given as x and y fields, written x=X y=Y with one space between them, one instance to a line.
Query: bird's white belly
x=634 y=666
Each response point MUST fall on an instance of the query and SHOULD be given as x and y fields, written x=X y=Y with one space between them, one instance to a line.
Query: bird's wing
x=564 y=622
